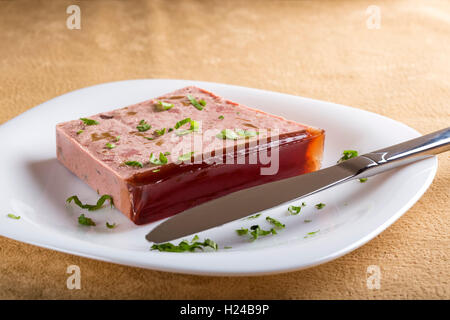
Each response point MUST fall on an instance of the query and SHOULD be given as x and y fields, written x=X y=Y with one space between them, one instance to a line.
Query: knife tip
x=154 y=237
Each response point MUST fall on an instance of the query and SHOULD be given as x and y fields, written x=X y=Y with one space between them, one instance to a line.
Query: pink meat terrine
x=165 y=155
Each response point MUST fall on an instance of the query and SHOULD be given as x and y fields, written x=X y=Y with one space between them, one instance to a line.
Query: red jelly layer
x=179 y=187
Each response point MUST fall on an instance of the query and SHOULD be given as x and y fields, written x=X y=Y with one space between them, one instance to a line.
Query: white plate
x=34 y=185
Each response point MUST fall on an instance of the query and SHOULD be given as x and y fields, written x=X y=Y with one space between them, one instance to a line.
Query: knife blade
x=253 y=200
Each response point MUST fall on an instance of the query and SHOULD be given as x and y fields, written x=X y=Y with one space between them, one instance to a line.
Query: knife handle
x=403 y=153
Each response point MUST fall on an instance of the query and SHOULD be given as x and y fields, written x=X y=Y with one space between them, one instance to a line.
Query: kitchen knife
x=249 y=201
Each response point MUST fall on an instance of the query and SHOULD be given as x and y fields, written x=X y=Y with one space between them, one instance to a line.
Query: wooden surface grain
x=318 y=49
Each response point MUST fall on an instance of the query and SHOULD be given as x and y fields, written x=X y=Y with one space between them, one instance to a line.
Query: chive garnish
x=193 y=128
x=111 y=226
x=253 y=217
x=82 y=219
x=320 y=205
x=228 y=134
x=185 y=245
x=242 y=231
x=198 y=104
x=257 y=232
x=160 y=132
x=348 y=154
x=311 y=234
x=182 y=122
x=163 y=106
x=161 y=161
x=294 y=210
x=12 y=216
x=221 y=117
x=89 y=122
x=236 y=134
x=143 y=126
x=110 y=145
x=79 y=132
x=91 y=207
x=246 y=133
x=275 y=222
x=134 y=164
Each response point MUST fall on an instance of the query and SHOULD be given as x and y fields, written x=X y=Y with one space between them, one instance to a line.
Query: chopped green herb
x=185 y=246
x=311 y=233
x=12 y=216
x=348 y=154
x=80 y=132
x=117 y=139
x=170 y=130
x=91 y=207
x=246 y=133
x=110 y=145
x=193 y=128
x=294 y=210
x=163 y=106
x=307 y=221
x=236 y=134
x=111 y=226
x=253 y=217
x=362 y=180
x=134 y=164
x=89 y=122
x=143 y=126
x=182 y=122
x=186 y=156
x=198 y=104
x=257 y=231
x=228 y=134
x=211 y=244
x=156 y=170
x=160 y=132
x=275 y=222
x=194 y=125
x=242 y=231
x=195 y=238
x=161 y=161
x=85 y=220
x=320 y=205
x=227 y=247
x=303 y=204
x=221 y=117
x=167 y=153
x=149 y=138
